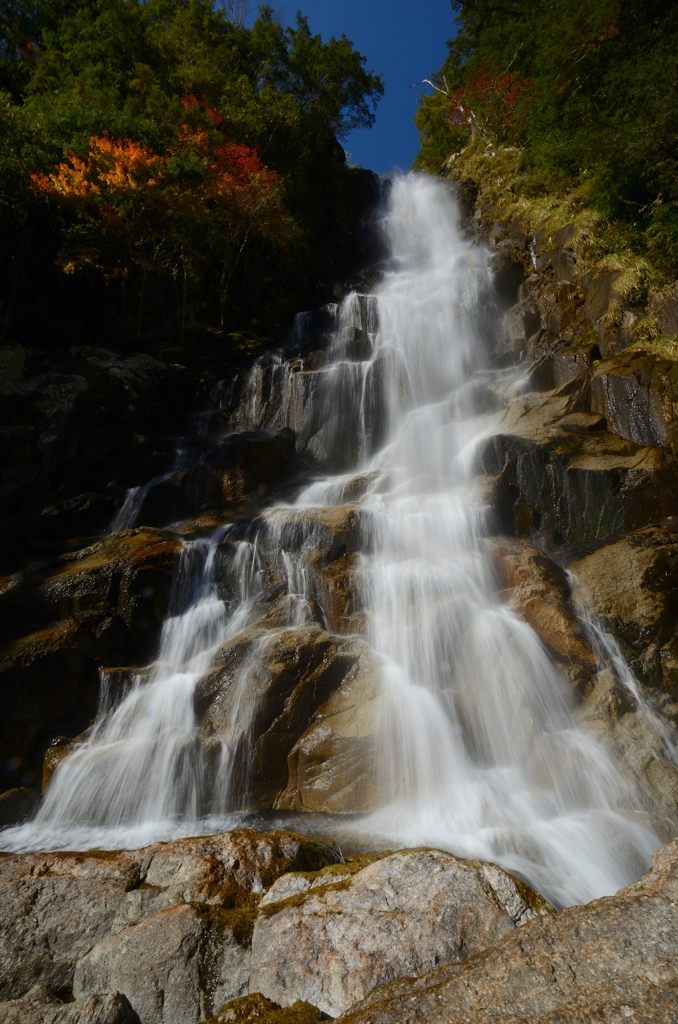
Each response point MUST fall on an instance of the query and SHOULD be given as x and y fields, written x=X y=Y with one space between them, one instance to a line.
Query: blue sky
x=404 y=40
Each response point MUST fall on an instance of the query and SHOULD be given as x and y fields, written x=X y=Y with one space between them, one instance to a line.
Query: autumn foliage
x=497 y=101
x=166 y=171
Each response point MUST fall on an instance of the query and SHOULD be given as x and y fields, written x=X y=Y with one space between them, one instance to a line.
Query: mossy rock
x=257 y=1008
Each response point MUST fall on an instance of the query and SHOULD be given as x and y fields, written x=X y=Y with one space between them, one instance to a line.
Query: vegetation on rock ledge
x=568 y=112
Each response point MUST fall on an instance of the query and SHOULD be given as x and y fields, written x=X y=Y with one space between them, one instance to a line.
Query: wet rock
x=539 y=592
x=276 y=680
x=57 y=751
x=578 y=487
x=40 y=1006
x=257 y=1009
x=611 y=960
x=643 y=741
x=399 y=916
x=127 y=575
x=105 y=604
x=518 y=325
x=638 y=395
x=16 y=805
x=242 y=465
x=48 y=683
x=632 y=587
x=492 y=493
x=326 y=533
x=322 y=545
x=331 y=768
x=161 y=965
x=559 y=366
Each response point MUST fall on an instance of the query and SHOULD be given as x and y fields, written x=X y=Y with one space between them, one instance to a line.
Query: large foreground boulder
x=401 y=915
x=612 y=960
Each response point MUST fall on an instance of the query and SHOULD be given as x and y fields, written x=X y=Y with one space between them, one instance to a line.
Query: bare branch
x=236 y=11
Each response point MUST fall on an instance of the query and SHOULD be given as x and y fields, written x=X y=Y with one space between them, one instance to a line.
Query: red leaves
x=497 y=99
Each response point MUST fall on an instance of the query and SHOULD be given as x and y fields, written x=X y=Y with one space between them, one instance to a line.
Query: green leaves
x=602 y=101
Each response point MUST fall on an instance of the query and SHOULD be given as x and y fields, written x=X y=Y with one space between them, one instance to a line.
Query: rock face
x=331 y=767
x=91 y=919
x=576 y=486
x=277 y=680
x=540 y=593
x=103 y=605
x=638 y=396
x=400 y=915
x=643 y=612
x=612 y=960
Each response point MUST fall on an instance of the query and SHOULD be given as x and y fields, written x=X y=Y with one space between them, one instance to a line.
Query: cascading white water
x=477 y=750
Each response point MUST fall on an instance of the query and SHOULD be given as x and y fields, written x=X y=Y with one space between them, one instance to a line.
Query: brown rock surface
x=276 y=680
x=401 y=915
x=632 y=585
x=612 y=960
x=128 y=575
x=240 y=466
x=331 y=768
x=637 y=393
x=578 y=487
x=539 y=592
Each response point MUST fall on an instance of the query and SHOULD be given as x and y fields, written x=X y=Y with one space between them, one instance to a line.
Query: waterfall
x=478 y=751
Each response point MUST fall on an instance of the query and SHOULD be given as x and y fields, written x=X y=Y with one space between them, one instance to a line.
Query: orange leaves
x=111 y=165
x=203 y=198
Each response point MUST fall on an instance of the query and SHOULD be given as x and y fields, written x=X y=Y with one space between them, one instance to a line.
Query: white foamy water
x=477 y=751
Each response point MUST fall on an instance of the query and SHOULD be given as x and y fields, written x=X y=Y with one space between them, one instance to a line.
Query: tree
x=167 y=154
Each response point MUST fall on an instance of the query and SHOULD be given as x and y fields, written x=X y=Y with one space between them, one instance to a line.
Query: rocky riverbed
x=279 y=927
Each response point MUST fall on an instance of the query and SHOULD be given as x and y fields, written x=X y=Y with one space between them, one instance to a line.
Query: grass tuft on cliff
x=567 y=113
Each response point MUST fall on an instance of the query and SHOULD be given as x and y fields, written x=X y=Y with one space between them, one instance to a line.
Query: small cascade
x=126 y=516
x=609 y=656
x=476 y=746
x=142 y=763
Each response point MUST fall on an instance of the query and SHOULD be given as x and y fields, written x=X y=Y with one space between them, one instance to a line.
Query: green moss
x=257 y=1009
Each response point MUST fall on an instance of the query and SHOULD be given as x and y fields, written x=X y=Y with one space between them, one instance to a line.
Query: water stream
x=477 y=747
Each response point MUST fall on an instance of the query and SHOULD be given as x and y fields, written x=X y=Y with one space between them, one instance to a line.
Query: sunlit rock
x=400 y=916
x=613 y=959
